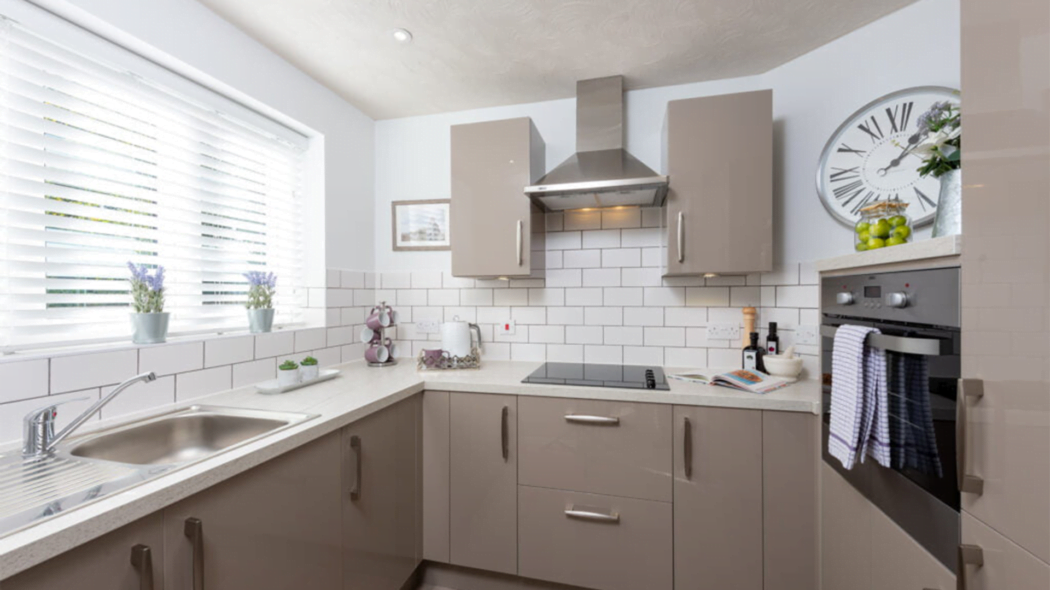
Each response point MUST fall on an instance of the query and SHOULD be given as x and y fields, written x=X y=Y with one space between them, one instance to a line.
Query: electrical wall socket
x=428 y=326
x=806 y=335
x=506 y=327
x=723 y=332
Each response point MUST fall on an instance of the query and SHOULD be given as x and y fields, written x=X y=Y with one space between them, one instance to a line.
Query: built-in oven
x=918 y=315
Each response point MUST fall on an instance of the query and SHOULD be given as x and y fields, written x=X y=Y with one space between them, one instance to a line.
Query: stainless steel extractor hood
x=601 y=173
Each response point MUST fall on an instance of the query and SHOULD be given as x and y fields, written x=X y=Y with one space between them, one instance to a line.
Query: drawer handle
x=968 y=388
x=194 y=531
x=597 y=420
x=142 y=560
x=968 y=555
x=592 y=514
x=687 y=448
x=355 y=489
x=505 y=433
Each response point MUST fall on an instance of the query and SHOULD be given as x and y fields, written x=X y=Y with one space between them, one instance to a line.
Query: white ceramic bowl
x=783 y=366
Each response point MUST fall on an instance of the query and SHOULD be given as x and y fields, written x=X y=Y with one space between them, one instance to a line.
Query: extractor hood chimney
x=601 y=173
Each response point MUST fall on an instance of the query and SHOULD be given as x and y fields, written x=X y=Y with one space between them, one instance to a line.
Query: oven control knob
x=898 y=299
x=844 y=298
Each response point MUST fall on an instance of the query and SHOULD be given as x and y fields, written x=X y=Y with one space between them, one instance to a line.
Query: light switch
x=506 y=327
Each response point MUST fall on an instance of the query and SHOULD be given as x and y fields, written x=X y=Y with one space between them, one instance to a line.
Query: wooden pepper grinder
x=750 y=313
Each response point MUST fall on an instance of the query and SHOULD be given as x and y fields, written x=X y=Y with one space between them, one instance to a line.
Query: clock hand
x=913 y=142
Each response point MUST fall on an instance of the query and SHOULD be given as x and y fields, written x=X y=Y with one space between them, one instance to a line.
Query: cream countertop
x=928 y=249
x=358 y=392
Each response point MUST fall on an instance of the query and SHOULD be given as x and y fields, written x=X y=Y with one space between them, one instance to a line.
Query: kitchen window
x=106 y=158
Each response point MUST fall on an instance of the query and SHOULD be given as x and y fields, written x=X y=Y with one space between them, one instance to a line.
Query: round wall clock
x=869 y=159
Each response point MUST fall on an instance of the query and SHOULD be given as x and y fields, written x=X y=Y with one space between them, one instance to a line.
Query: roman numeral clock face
x=869 y=157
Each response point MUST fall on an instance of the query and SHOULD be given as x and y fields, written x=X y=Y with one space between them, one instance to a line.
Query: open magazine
x=753 y=381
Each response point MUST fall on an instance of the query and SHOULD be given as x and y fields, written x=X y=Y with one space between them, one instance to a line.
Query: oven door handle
x=901 y=344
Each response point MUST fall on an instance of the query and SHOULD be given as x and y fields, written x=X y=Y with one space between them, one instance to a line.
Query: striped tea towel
x=859 y=401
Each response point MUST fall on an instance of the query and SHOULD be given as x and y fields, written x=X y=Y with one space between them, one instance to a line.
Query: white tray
x=271 y=387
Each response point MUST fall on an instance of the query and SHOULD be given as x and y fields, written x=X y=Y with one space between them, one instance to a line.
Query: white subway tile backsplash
x=725 y=315
x=623 y=296
x=547 y=297
x=309 y=339
x=745 y=296
x=786 y=318
x=726 y=281
x=555 y=222
x=640 y=277
x=687 y=358
x=23 y=379
x=575 y=220
x=807 y=274
x=524 y=283
x=139 y=397
x=621 y=257
x=589 y=296
x=769 y=297
x=326 y=357
x=274 y=344
x=442 y=297
x=641 y=238
x=547 y=334
x=783 y=274
x=707 y=296
x=476 y=296
x=621 y=218
x=728 y=358
x=583 y=335
x=568 y=277
x=168 y=359
x=565 y=316
x=601 y=277
x=528 y=315
x=426 y=279
x=461 y=314
x=652 y=257
x=643 y=355
x=609 y=238
x=75 y=372
x=565 y=353
x=582 y=259
x=528 y=352
x=411 y=297
x=664 y=336
x=395 y=280
x=623 y=335
x=643 y=316
x=603 y=355
x=510 y=297
x=254 y=372
x=228 y=351
x=352 y=279
x=665 y=296
x=493 y=315
x=685 y=316
x=653 y=216
x=800 y=296
x=432 y=314
x=341 y=336
x=569 y=240
x=199 y=383
x=555 y=259
x=683 y=281
x=696 y=338
x=450 y=282
x=603 y=316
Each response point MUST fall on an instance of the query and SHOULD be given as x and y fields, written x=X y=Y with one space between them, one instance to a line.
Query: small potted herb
x=261 y=288
x=288 y=373
x=149 y=320
x=309 y=368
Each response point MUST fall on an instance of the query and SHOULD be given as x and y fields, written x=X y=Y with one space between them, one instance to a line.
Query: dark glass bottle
x=752 y=355
x=772 y=340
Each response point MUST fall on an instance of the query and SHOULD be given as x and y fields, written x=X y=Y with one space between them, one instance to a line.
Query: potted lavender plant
x=149 y=321
x=261 y=288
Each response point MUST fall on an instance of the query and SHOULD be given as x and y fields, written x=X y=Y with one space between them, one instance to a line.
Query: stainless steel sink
x=107 y=461
x=175 y=439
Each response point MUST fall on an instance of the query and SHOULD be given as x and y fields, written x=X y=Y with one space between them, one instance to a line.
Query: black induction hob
x=590 y=375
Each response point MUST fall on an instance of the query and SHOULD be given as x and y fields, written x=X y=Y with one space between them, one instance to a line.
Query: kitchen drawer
x=624 y=450
x=593 y=550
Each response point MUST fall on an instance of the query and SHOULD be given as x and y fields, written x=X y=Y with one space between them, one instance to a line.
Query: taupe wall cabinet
x=276 y=526
x=720 y=203
x=493 y=224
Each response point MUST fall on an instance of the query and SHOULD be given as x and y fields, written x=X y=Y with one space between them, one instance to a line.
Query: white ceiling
x=480 y=53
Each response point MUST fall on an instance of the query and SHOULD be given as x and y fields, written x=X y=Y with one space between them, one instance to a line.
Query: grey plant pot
x=149 y=328
x=948 y=221
x=260 y=320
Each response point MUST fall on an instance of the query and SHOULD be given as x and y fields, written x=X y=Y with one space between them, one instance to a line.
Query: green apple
x=862 y=227
x=876 y=243
x=864 y=236
x=895 y=241
x=898 y=220
x=902 y=231
x=881 y=229
x=861 y=246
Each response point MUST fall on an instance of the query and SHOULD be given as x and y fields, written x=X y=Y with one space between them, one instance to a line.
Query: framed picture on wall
x=421 y=225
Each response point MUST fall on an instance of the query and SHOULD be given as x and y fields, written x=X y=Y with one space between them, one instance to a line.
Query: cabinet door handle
x=968 y=388
x=596 y=420
x=520 y=241
x=681 y=236
x=592 y=514
x=968 y=555
x=355 y=446
x=194 y=531
x=505 y=432
x=142 y=560
x=687 y=447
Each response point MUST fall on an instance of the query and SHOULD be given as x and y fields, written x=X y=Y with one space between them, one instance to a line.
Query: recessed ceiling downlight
x=402 y=36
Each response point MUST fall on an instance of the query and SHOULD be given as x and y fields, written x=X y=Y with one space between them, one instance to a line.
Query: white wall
x=813 y=94
x=185 y=36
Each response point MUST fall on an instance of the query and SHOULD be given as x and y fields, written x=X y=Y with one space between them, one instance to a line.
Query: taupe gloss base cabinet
x=493 y=224
x=719 y=157
x=287 y=523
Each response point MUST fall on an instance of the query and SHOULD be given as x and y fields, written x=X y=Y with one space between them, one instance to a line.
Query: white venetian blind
x=100 y=166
